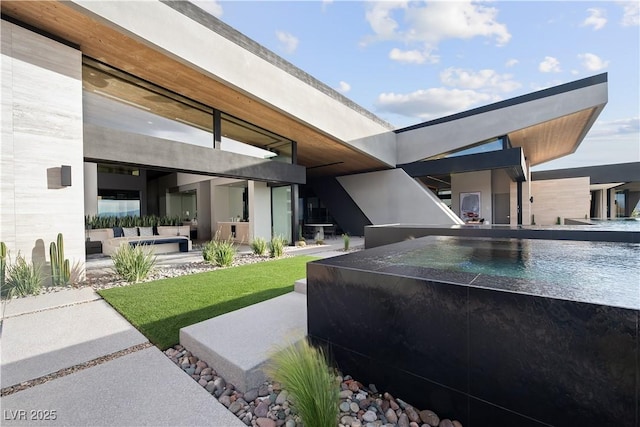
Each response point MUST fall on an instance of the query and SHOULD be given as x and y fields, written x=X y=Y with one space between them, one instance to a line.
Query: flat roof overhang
x=600 y=174
x=511 y=160
x=546 y=124
x=104 y=41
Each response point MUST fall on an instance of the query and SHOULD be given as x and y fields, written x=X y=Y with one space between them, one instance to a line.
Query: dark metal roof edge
x=599 y=174
x=552 y=91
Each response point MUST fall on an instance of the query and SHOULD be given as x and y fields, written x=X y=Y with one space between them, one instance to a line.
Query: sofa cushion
x=145 y=231
x=130 y=231
x=117 y=232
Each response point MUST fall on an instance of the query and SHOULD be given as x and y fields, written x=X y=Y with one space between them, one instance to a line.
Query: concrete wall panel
x=392 y=196
x=41 y=131
x=564 y=198
x=471 y=182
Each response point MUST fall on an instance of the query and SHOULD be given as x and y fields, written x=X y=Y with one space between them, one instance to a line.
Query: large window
x=118 y=100
x=245 y=138
x=118 y=203
x=495 y=144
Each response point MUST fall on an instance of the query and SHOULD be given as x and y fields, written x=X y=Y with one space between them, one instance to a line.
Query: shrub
x=133 y=263
x=22 y=278
x=259 y=246
x=304 y=372
x=219 y=252
x=276 y=247
x=346 y=239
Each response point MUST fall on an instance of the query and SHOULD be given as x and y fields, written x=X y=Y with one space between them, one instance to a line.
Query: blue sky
x=409 y=62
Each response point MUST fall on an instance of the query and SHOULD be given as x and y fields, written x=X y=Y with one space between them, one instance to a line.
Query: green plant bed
x=159 y=309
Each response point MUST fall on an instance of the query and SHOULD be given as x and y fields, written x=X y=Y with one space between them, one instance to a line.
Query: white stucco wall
x=90 y=189
x=41 y=131
x=392 y=196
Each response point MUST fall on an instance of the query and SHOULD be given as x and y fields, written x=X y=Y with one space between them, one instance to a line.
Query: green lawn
x=160 y=308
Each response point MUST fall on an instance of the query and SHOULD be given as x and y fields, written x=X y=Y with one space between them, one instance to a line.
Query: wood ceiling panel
x=553 y=139
x=105 y=44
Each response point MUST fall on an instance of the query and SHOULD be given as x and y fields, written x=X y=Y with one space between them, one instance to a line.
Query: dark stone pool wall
x=486 y=357
x=380 y=235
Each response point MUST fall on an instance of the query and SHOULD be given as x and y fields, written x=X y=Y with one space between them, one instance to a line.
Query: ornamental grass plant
x=276 y=247
x=259 y=246
x=133 y=263
x=304 y=372
x=22 y=278
x=219 y=252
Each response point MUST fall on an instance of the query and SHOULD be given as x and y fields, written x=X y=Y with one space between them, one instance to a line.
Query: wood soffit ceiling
x=553 y=139
x=321 y=154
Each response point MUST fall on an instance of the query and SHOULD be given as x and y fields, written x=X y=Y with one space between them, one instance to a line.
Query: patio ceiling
x=319 y=152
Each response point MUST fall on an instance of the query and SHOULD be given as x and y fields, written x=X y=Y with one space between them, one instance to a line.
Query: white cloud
x=343 y=87
x=427 y=24
x=411 y=56
x=212 y=6
x=325 y=4
x=482 y=79
x=596 y=18
x=288 y=42
x=593 y=62
x=549 y=65
x=512 y=63
x=631 y=13
x=431 y=103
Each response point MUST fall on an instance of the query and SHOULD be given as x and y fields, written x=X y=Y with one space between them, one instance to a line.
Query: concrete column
x=90 y=189
x=260 y=209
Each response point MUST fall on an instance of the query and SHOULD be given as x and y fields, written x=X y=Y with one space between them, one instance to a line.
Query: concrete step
x=239 y=344
x=300 y=286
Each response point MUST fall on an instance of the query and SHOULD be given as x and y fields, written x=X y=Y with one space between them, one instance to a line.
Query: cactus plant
x=60 y=267
x=3 y=263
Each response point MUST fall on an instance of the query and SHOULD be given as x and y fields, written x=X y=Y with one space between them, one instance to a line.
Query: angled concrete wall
x=392 y=196
x=173 y=32
x=41 y=131
x=564 y=198
x=423 y=142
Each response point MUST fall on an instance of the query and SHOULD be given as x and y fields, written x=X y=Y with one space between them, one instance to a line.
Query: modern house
x=156 y=107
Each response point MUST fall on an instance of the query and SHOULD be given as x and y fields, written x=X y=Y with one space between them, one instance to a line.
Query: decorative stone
x=347 y=420
x=346 y=394
x=456 y=423
x=207 y=371
x=225 y=400
x=251 y=395
x=354 y=386
x=219 y=383
x=282 y=397
x=369 y=416
x=373 y=388
x=354 y=407
x=263 y=390
x=210 y=387
x=190 y=371
x=391 y=416
x=429 y=417
x=262 y=409
x=344 y=407
x=202 y=382
x=412 y=414
x=414 y=424
x=236 y=406
x=393 y=405
x=403 y=420
x=445 y=423
x=290 y=423
x=265 y=422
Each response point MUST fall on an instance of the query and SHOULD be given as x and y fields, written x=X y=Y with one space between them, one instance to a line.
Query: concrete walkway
x=106 y=371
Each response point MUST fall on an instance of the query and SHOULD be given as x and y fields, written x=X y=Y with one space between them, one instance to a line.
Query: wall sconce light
x=531 y=199
x=65 y=176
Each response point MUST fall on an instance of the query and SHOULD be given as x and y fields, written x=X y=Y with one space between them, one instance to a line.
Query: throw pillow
x=117 y=232
x=130 y=231
x=145 y=231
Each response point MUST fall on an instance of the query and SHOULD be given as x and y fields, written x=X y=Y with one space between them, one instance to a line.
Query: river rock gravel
x=269 y=405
